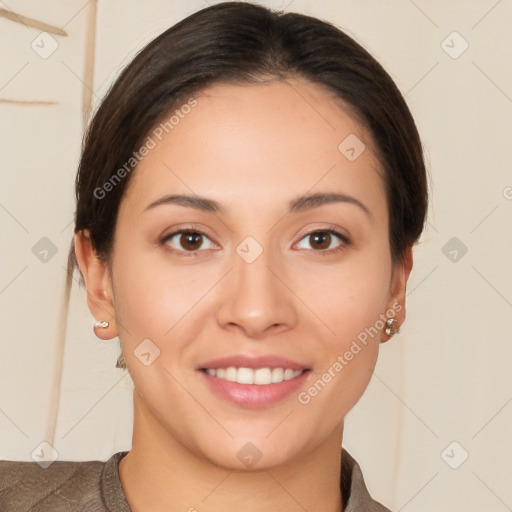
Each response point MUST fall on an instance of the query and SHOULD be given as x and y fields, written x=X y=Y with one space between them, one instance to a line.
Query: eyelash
x=324 y=252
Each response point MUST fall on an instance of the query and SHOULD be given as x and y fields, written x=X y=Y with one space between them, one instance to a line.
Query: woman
x=248 y=197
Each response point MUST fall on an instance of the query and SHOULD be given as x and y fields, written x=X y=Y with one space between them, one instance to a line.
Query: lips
x=255 y=362
x=254 y=382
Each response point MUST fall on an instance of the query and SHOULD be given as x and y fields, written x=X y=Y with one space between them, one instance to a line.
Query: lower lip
x=254 y=395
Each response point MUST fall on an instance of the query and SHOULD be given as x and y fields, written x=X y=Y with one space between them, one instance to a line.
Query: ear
x=396 y=300
x=98 y=285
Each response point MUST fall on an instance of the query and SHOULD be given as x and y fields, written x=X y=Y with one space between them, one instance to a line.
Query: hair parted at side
x=244 y=43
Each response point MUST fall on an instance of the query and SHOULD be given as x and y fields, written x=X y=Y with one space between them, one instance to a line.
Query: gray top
x=95 y=486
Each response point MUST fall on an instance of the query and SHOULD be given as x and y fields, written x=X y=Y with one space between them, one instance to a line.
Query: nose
x=256 y=299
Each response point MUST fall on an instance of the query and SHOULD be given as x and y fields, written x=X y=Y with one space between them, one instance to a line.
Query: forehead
x=258 y=142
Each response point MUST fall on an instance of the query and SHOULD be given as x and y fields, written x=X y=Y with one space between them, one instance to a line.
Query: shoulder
x=62 y=486
x=354 y=489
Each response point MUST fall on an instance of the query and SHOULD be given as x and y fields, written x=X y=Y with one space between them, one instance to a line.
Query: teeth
x=245 y=376
x=231 y=374
x=261 y=376
x=288 y=374
x=277 y=375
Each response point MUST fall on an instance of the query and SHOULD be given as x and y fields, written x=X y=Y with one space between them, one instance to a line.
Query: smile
x=259 y=376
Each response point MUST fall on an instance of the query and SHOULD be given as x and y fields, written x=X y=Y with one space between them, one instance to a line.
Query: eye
x=324 y=241
x=187 y=240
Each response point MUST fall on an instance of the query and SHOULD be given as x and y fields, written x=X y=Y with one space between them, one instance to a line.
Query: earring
x=120 y=363
x=390 y=329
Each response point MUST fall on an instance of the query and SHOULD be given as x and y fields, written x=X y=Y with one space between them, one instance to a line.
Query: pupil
x=318 y=237
x=189 y=240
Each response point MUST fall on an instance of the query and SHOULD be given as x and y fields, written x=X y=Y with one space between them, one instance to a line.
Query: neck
x=159 y=473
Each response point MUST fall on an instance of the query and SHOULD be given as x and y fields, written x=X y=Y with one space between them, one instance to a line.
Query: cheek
x=151 y=295
x=352 y=298
x=351 y=303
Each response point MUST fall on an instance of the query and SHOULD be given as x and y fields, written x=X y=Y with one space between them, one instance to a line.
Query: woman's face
x=267 y=279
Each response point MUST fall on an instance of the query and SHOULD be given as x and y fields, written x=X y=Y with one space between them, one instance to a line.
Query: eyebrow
x=299 y=204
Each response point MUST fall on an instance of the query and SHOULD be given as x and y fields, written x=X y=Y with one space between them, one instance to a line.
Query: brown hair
x=243 y=43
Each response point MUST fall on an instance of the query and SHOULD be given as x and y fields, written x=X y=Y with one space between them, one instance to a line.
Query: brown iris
x=191 y=241
x=322 y=238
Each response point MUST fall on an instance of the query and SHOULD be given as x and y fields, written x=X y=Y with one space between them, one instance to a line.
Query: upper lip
x=254 y=362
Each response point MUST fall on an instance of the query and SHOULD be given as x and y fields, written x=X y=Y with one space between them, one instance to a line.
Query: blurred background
x=433 y=430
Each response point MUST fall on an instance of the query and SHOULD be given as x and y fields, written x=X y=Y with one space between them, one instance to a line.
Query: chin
x=255 y=451
x=250 y=456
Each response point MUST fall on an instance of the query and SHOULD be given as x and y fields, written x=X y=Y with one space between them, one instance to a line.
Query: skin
x=253 y=149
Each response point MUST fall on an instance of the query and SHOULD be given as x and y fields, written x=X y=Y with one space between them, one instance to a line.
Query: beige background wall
x=442 y=389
